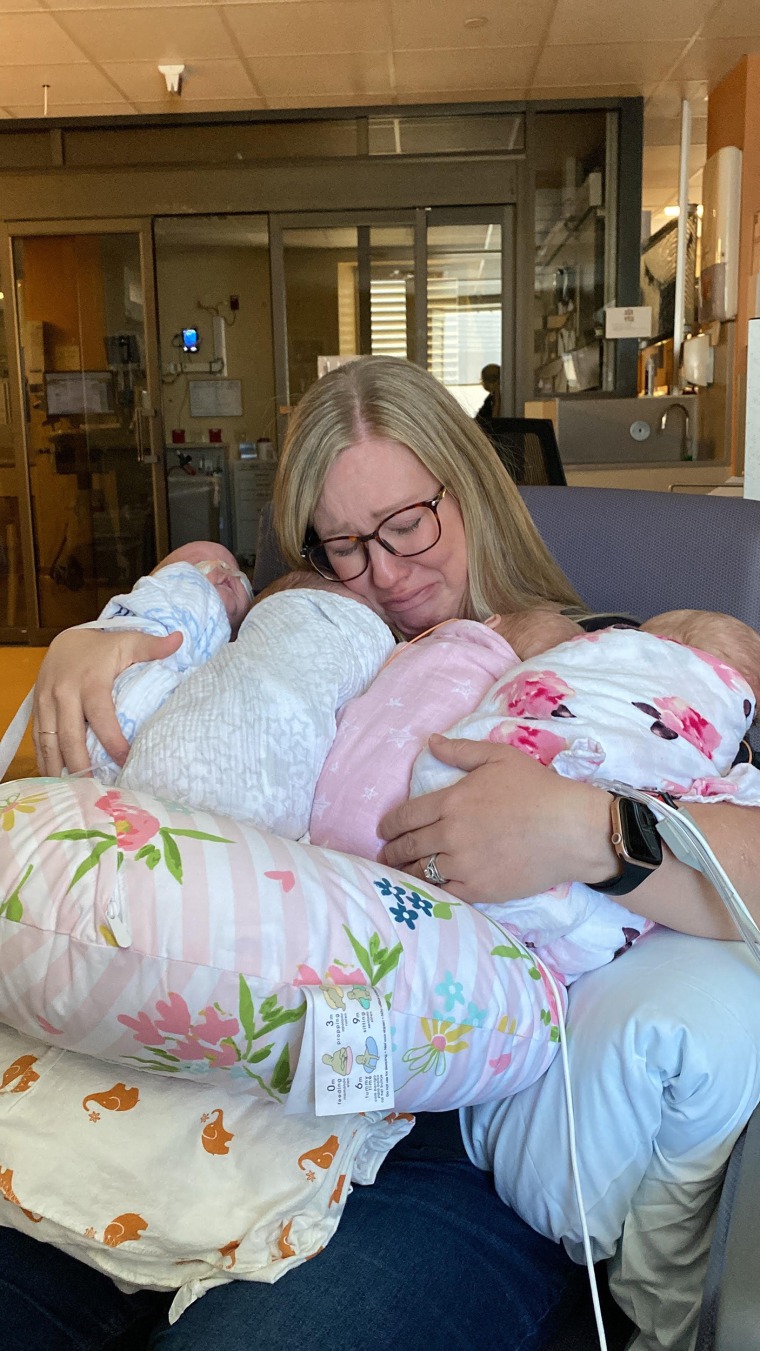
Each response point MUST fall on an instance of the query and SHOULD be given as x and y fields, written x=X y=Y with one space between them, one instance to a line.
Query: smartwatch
x=636 y=843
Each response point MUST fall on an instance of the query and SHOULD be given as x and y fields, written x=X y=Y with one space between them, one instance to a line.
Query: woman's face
x=368 y=481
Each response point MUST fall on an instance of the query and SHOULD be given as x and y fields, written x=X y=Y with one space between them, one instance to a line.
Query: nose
x=385 y=568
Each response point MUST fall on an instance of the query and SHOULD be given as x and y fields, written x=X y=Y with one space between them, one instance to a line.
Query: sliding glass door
x=433 y=286
x=86 y=387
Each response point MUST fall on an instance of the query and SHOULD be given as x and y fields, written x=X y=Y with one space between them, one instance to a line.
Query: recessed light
x=670 y=211
x=477 y=21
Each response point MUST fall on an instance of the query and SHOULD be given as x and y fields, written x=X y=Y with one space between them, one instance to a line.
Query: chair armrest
x=731 y=1316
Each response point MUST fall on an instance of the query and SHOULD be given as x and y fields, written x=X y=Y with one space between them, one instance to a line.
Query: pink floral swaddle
x=619 y=704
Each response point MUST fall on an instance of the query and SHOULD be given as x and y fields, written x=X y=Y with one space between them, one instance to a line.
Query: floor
x=18 y=672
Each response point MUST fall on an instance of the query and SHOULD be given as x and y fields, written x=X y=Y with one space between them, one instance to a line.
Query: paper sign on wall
x=628 y=321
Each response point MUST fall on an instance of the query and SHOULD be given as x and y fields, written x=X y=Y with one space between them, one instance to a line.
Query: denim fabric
x=428 y=1256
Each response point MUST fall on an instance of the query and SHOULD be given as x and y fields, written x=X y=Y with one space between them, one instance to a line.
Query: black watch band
x=636 y=843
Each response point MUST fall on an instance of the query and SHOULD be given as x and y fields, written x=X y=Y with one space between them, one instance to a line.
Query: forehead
x=368 y=481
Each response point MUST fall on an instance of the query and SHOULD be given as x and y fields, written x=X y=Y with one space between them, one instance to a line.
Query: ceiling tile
x=636 y=63
x=602 y=21
x=305 y=29
x=68 y=84
x=305 y=76
x=452 y=69
x=140 y=80
x=327 y=100
x=179 y=34
x=734 y=19
x=66 y=6
x=434 y=23
x=475 y=94
x=593 y=90
x=31 y=39
x=712 y=60
x=121 y=109
x=18 y=6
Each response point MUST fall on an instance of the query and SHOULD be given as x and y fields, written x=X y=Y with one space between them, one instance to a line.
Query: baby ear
x=492 y=622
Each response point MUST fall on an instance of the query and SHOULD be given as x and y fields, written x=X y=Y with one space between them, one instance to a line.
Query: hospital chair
x=641 y=553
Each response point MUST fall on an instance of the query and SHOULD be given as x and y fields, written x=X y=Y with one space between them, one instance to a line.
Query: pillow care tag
x=353 y=1070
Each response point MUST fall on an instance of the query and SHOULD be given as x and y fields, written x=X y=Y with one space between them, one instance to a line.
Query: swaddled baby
x=253 y=733
x=198 y=591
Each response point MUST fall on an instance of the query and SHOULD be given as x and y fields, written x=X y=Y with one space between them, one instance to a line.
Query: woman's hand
x=510 y=828
x=75 y=688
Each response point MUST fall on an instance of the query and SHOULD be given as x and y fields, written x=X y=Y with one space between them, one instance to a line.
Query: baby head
x=722 y=636
x=220 y=567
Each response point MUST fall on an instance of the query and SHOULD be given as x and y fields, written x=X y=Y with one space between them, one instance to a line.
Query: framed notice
x=216 y=398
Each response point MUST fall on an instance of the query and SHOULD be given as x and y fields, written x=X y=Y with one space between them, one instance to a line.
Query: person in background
x=490 y=379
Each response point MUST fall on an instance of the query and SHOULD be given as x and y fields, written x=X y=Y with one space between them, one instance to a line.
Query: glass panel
x=82 y=347
x=12 y=597
x=446 y=134
x=464 y=310
x=349 y=290
x=570 y=252
x=218 y=403
x=218 y=144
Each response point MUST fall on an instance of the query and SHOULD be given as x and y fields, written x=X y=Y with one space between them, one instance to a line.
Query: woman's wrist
x=597 y=860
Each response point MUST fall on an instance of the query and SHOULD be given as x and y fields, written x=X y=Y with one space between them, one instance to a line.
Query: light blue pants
x=664 y=1049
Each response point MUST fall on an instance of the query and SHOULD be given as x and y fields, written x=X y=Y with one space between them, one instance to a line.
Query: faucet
x=686 y=429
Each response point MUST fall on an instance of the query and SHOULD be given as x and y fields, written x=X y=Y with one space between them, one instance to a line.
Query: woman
x=660 y=1093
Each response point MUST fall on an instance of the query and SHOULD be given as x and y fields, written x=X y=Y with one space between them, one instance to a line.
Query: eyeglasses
x=405 y=533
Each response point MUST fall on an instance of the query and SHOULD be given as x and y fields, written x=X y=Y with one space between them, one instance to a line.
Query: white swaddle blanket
x=247 y=734
x=178 y=599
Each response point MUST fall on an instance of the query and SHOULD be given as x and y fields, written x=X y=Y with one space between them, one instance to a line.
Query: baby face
x=232 y=586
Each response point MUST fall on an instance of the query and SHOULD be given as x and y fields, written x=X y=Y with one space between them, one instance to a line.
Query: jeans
x=428 y=1256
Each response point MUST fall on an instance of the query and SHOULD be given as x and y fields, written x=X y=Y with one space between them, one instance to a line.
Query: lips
x=399 y=604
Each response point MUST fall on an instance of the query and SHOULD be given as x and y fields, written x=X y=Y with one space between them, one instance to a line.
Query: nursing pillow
x=189 y=945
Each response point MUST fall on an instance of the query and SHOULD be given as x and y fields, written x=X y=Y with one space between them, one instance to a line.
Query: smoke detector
x=173 y=76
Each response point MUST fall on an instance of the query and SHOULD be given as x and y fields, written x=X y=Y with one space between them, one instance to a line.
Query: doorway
x=436 y=286
x=86 y=386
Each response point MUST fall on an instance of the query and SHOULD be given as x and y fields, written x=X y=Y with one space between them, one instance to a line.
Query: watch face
x=639 y=830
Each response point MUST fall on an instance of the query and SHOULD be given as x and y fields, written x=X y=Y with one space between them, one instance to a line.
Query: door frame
x=142 y=227
x=504 y=214
x=279 y=222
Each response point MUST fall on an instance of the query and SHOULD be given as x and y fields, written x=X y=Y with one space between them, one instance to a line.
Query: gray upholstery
x=642 y=553
x=630 y=551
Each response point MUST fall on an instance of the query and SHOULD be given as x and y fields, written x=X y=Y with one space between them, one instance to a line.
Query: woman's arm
x=75 y=685
x=478 y=829
x=75 y=689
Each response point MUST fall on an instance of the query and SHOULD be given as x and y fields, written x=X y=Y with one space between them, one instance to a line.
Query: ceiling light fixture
x=477 y=21
x=173 y=76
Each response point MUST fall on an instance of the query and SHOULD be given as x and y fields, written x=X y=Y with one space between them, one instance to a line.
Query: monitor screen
x=78 y=393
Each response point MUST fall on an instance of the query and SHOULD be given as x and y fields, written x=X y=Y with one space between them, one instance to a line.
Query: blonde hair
x=508 y=566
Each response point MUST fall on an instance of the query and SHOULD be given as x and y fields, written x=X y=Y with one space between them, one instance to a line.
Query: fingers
x=464 y=754
x=99 y=713
x=143 y=647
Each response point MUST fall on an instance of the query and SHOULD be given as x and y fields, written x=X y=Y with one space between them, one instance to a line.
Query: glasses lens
x=411 y=531
x=339 y=560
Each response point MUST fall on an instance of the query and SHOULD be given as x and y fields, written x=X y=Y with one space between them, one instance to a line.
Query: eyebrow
x=378 y=516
